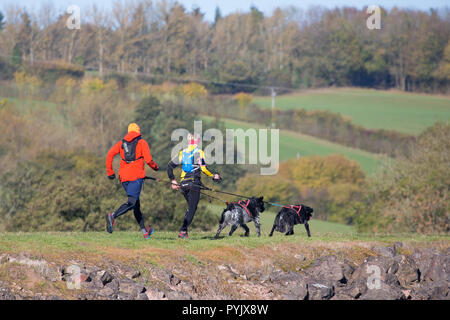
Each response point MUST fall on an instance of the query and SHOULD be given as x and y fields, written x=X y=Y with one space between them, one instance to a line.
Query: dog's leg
x=247 y=230
x=273 y=229
x=307 y=229
x=221 y=227
x=290 y=230
x=233 y=229
x=258 y=226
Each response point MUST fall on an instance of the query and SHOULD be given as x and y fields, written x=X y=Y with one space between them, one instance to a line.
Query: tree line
x=291 y=47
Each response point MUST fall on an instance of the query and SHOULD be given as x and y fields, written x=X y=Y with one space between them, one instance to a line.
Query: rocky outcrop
x=387 y=274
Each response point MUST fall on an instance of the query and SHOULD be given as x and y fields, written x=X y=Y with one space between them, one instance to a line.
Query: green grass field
x=373 y=109
x=292 y=144
x=101 y=242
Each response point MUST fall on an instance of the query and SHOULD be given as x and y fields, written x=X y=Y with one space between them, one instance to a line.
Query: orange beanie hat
x=134 y=127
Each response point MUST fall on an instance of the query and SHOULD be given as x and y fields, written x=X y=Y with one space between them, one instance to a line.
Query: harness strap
x=132 y=160
x=245 y=207
x=296 y=211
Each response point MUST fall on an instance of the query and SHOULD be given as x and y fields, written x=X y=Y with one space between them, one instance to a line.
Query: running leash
x=203 y=187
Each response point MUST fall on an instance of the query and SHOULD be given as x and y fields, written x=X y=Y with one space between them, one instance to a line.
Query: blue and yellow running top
x=192 y=160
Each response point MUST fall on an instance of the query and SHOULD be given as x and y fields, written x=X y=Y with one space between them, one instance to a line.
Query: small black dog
x=290 y=216
x=239 y=213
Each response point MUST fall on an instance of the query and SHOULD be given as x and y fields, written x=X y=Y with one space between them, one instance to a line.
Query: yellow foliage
x=112 y=85
x=2 y=103
x=92 y=85
x=66 y=84
x=194 y=90
x=96 y=85
x=21 y=78
x=243 y=99
x=321 y=172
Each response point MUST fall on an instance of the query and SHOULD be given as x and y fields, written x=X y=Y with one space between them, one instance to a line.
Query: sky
x=228 y=6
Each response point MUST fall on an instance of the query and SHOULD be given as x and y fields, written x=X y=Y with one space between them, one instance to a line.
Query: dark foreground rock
x=386 y=275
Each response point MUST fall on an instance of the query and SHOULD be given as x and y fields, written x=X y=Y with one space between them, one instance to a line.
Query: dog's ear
x=261 y=198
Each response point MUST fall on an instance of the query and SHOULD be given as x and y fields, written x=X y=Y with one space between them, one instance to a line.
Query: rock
x=142 y=296
x=374 y=265
x=128 y=272
x=155 y=294
x=113 y=285
x=320 y=290
x=385 y=292
x=348 y=270
x=40 y=266
x=290 y=285
x=176 y=295
x=6 y=294
x=439 y=269
x=300 y=257
x=106 y=277
x=407 y=272
x=341 y=296
x=432 y=290
x=85 y=277
x=107 y=291
x=432 y=265
x=353 y=290
x=174 y=280
x=327 y=268
x=423 y=259
x=397 y=245
x=388 y=252
x=296 y=290
x=374 y=270
x=131 y=288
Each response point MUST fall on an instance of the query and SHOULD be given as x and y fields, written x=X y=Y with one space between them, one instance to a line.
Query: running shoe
x=150 y=231
x=183 y=235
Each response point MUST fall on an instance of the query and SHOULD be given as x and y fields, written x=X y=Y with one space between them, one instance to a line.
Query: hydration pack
x=129 y=150
x=187 y=160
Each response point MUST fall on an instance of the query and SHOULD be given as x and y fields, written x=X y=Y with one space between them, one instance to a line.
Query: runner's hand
x=216 y=177
x=112 y=177
x=175 y=185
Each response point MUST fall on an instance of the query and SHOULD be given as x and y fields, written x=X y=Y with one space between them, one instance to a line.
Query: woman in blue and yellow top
x=193 y=164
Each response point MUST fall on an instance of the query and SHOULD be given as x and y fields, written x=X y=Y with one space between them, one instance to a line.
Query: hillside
x=124 y=266
x=293 y=144
x=373 y=109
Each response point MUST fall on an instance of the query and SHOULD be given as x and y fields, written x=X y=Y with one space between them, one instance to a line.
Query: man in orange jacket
x=134 y=152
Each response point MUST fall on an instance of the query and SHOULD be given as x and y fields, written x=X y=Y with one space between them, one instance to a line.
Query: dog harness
x=292 y=207
x=245 y=207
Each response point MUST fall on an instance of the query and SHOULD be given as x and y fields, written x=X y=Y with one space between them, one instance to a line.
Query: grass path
x=167 y=242
x=373 y=109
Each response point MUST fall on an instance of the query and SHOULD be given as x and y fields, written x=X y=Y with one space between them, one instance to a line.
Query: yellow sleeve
x=203 y=164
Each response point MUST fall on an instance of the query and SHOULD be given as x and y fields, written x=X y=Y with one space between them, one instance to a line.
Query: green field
x=102 y=242
x=373 y=109
x=293 y=144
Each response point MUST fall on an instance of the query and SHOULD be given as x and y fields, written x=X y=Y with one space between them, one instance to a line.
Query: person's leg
x=131 y=202
x=111 y=217
x=133 y=190
x=192 y=196
x=139 y=217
